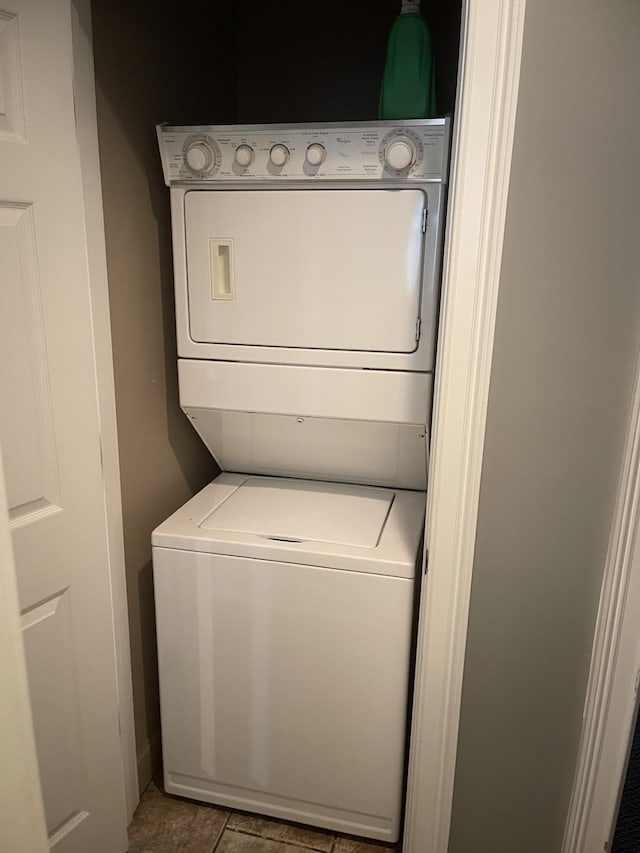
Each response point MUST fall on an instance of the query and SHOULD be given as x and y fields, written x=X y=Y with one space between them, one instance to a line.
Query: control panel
x=415 y=151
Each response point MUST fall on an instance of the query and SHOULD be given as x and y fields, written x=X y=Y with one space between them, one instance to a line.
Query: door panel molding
x=31 y=466
x=12 y=118
x=22 y=825
x=48 y=645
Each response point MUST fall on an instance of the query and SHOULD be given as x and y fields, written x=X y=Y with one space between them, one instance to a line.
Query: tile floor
x=167 y=824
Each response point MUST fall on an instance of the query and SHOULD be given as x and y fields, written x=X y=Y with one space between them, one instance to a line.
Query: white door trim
x=611 y=699
x=482 y=145
x=87 y=134
x=22 y=824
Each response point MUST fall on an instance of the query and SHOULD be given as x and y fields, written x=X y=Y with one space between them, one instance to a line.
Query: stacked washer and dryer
x=306 y=270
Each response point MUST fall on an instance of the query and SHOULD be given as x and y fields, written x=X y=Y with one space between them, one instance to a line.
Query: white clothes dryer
x=307 y=293
x=284 y=620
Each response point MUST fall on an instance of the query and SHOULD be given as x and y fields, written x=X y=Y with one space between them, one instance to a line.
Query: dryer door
x=313 y=269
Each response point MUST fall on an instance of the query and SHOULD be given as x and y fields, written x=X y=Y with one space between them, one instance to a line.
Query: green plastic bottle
x=408 y=82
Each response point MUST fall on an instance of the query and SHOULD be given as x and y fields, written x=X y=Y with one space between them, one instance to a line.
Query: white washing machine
x=284 y=630
x=306 y=265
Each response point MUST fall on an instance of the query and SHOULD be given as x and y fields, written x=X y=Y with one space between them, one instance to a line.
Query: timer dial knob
x=316 y=154
x=400 y=154
x=200 y=157
x=279 y=155
x=244 y=155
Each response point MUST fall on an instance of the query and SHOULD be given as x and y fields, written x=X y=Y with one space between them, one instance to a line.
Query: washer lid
x=367 y=529
x=290 y=511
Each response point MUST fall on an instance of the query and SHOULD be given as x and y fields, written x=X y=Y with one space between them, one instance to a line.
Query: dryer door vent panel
x=313 y=269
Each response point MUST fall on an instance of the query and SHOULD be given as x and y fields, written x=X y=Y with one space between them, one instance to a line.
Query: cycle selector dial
x=316 y=154
x=279 y=155
x=400 y=154
x=244 y=155
x=200 y=157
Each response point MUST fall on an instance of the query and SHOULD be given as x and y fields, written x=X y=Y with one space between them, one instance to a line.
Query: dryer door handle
x=221 y=269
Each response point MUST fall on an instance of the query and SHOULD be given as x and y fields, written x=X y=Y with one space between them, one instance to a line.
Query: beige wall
x=567 y=335
x=142 y=65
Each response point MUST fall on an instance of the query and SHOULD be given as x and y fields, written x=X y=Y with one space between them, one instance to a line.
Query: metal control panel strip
x=408 y=151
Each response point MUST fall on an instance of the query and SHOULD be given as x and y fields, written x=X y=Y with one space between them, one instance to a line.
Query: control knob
x=315 y=154
x=400 y=154
x=244 y=155
x=279 y=155
x=200 y=157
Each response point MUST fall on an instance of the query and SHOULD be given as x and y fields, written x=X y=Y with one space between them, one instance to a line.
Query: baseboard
x=149 y=758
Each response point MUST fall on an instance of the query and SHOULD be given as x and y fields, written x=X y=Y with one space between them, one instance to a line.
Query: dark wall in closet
x=298 y=63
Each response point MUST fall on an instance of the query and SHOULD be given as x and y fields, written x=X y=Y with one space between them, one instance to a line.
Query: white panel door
x=319 y=269
x=50 y=434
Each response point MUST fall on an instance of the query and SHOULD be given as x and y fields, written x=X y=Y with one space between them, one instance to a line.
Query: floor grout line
x=294 y=842
x=221 y=833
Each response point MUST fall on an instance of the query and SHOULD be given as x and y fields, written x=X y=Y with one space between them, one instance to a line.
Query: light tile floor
x=167 y=824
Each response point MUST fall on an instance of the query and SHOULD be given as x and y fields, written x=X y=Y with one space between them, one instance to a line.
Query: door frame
x=614 y=675
x=483 y=135
x=87 y=137
x=490 y=55
x=491 y=45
